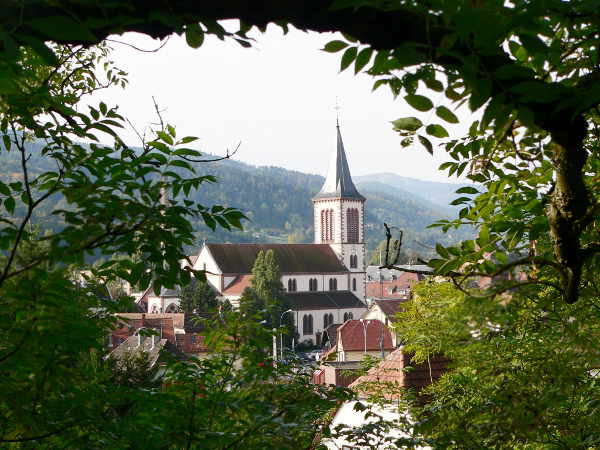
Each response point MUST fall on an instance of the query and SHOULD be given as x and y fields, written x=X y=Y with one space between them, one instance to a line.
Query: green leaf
x=165 y=137
x=4 y=189
x=433 y=84
x=9 y=204
x=444 y=113
x=467 y=190
x=407 y=123
x=194 y=35
x=62 y=28
x=43 y=51
x=335 y=46
x=426 y=143
x=419 y=102
x=347 y=58
x=436 y=130
x=441 y=250
x=362 y=59
x=484 y=235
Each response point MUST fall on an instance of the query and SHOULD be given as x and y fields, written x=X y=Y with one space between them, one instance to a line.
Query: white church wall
x=206 y=262
x=318 y=316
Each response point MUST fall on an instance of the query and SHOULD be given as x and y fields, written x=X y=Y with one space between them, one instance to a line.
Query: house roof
x=291 y=258
x=191 y=343
x=338 y=183
x=324 y=300
x=351 y=336
x=392 y=370
x=237 y=286
x=390 y=307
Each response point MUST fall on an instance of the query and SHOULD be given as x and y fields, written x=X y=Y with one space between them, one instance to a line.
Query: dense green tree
x=265 y=300
x=198 y=296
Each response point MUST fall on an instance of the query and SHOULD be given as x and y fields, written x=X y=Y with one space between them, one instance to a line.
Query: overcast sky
x=277 y=98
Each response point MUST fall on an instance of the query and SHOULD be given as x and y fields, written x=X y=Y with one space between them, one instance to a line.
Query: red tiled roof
x=384 y=289
x=164 y=325
x=351 y=335
x=291 y=258
x=238 y=285
x=391 y=370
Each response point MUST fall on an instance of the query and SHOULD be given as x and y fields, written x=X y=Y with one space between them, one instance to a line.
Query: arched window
x=307 y=324
x=312 y=284
x=354 y=284
x=348 y=316
x=353 y=261
x=323 y=225
x=333 y=284
x=327 y=320
x=292 y=285
x=172 y=308
x=331 y=225
x=352 y=224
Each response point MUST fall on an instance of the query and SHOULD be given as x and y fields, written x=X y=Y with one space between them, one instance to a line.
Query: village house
x=354 y=339
x=386 y=311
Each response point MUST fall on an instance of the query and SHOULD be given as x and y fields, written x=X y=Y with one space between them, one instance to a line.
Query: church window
x=353 y=284
x=331 y=225
x=312 y=284
x=307 y=324
x=348 y=316
x=332 y=284
x=292 y=285
x=323 y=225
x=327 y=320
x=353 y=261
x=352 y=224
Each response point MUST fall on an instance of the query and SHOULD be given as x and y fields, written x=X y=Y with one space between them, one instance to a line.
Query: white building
x=325 y=280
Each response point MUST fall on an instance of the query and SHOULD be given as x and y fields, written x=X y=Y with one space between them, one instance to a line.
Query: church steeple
x=338 y=183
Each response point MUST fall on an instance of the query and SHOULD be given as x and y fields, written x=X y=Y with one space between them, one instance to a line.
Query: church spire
x=338 y=183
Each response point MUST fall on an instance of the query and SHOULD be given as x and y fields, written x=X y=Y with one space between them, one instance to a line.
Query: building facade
x=325 y=280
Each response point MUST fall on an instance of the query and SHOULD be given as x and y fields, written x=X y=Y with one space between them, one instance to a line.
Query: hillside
x=278 y=204
x=436 y=193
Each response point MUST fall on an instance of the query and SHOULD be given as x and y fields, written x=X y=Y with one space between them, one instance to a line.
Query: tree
x=523 y=371
x=265 y=299
x=198 y=296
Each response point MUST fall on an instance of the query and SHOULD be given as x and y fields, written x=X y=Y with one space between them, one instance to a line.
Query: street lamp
x=365 y=325
x=281 y=334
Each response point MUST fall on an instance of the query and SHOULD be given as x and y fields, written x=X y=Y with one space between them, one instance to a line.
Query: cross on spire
x=337 y=108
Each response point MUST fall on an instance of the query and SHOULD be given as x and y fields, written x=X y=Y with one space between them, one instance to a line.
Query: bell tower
x=339 y=218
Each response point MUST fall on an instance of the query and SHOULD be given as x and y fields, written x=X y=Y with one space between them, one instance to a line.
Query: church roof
x=338 y=183
x=324 y=300
x=291 y=258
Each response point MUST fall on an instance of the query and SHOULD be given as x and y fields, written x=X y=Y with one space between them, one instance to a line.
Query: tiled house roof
x=351 y=336
x=291 y=258
x=392 y=370
x=392 y=288
x=237 y=286
x=324 y=300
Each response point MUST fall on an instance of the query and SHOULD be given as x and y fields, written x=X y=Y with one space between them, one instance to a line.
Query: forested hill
x=278 y=203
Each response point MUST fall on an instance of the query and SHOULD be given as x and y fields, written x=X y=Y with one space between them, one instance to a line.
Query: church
x=325 y=281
